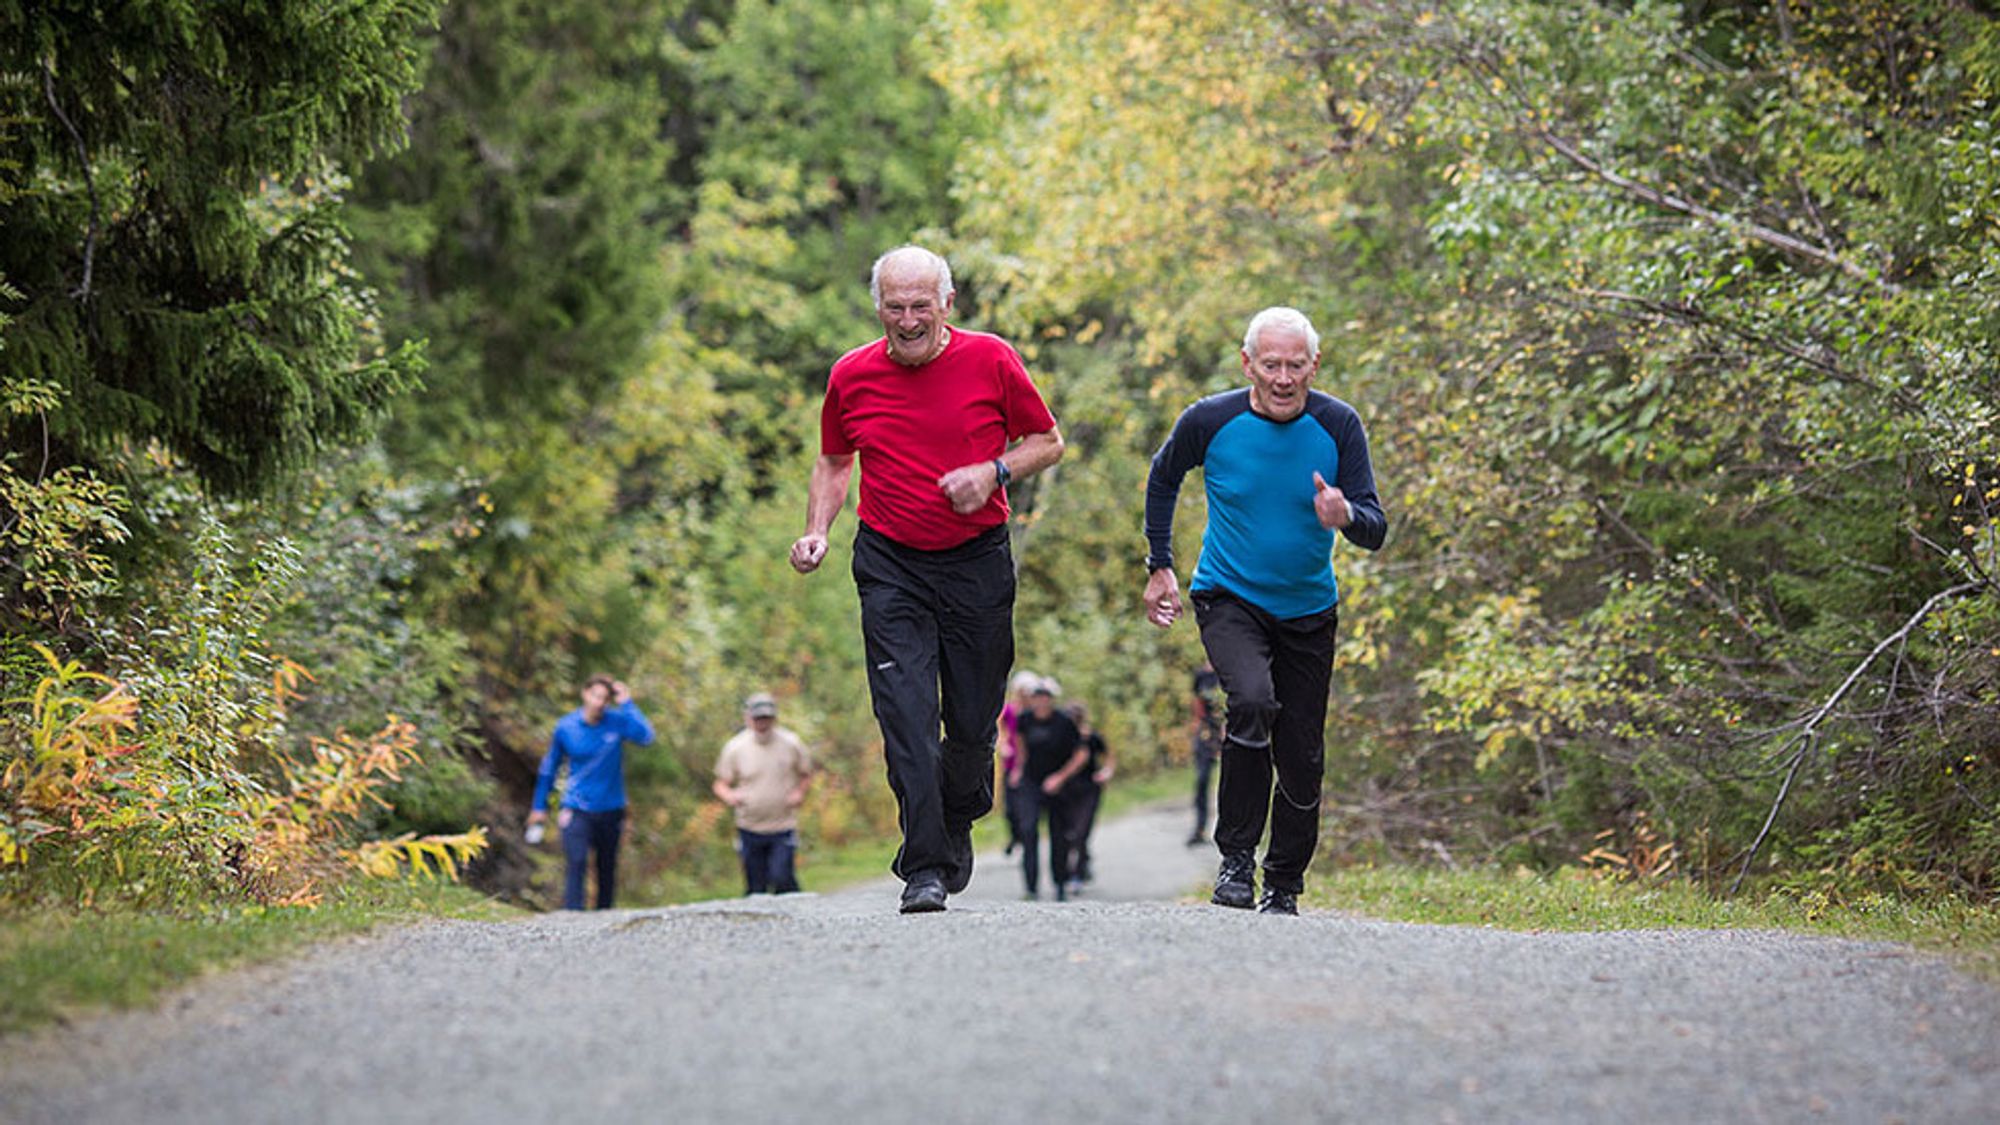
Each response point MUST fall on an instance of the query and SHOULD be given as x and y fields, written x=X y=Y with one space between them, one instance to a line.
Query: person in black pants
x=1086 y=792
x=1019 y=690
x=1284 y=468
x=1205 y=733
x=1053 y=753
x=930 y=411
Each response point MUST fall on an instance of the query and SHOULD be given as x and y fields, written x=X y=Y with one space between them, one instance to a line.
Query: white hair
x=1280 y=316
x=934 y=260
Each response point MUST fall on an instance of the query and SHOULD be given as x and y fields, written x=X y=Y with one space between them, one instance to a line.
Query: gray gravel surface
x=836 y=1008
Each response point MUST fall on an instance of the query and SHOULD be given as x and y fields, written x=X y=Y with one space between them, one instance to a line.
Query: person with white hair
x=941 y=420
x=1052 y=754
x=1018 y=691
x=1284 y=468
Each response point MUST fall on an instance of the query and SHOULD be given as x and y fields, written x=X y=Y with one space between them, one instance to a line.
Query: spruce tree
x=173 y=236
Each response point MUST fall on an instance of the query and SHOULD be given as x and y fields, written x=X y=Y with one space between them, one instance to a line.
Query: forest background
x=372 y=373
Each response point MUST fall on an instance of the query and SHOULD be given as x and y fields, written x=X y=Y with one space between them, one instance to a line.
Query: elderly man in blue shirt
x=592 y=738
x=1285 y=468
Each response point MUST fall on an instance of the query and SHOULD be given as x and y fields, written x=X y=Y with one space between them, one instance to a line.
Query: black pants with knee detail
x=938 y=627
x=1275 y=673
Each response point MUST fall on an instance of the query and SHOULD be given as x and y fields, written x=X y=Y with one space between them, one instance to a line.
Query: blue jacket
x=1264 y=542
x=596 y=756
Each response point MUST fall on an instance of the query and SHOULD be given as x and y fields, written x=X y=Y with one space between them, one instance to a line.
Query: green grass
x=1966 y=932
x=57 y=964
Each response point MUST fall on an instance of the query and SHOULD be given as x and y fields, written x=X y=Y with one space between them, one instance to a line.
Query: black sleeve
x=1182 y=451
x=1357 y=483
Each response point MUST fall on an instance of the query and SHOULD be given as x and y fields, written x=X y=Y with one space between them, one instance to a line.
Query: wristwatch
x=1153 y=564
x=1001 y=473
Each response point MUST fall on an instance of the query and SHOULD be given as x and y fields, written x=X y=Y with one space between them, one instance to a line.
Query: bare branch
x=1708 y=589
x=1666 y=200
x=1818 y=359
x=1808 y=735
x=1776 y=239
x=82 y=291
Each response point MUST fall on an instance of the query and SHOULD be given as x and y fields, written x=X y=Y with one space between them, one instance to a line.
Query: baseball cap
x=761 y=706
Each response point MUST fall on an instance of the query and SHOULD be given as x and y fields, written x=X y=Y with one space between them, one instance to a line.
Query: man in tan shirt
x=763 y=773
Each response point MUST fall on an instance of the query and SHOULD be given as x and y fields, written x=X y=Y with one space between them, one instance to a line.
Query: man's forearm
x=827 y=494
x=1033 y=454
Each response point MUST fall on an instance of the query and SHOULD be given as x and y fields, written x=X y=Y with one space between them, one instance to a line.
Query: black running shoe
x=923 y=894
x=1278 y=902
x=1235 y=881
x=958 y=845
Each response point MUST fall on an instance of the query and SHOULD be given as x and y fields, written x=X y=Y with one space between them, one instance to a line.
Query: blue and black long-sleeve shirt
x=596 y=753
x=1264 y=542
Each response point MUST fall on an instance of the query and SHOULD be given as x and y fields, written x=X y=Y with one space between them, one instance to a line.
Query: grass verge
x=1967 y=933
x=54 y=965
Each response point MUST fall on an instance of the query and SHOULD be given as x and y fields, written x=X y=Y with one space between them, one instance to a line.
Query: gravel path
x=835 y=1008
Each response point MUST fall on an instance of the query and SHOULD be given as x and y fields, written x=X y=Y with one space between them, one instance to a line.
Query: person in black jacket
x=1086 y=792
x=1052 y=753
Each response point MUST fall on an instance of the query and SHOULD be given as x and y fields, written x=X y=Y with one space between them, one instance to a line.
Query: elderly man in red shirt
x=931 y=410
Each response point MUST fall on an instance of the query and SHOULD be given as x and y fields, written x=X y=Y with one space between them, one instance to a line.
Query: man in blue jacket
x=592 y=819
x=1283 y=467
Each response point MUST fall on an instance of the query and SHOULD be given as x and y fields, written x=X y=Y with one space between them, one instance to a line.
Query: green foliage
x=1672 y=326
x=622 y=474
x=824 y=145
x=520 y=235
x=56 y=534
x=177 y=781
x=352 y=619
x=1673 y=330
x=173 y=230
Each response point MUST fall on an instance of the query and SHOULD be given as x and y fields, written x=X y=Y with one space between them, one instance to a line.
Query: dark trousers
x=589 y=832
x=1204 y=773
x=1082 y=819
x=768 y=861
x=1275 y=674
x=1014 y=814
x=1060 y=813
x=938 y=627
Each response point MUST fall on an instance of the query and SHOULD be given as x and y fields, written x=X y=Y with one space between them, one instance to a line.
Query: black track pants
x=938 y=627
x=1275 y=674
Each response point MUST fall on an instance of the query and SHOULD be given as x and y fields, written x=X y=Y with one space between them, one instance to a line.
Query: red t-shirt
x=912 y=425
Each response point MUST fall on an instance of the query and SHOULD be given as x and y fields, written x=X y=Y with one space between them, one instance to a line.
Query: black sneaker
x=958 y=845
x=924 y=893
x=1235 y=881
x=1278 y=902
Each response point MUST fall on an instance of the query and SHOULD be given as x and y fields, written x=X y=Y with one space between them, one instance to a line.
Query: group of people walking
x=942 y=420
x=1055 y=766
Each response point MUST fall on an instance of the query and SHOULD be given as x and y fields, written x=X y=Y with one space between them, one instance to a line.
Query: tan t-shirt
x=765 y=771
